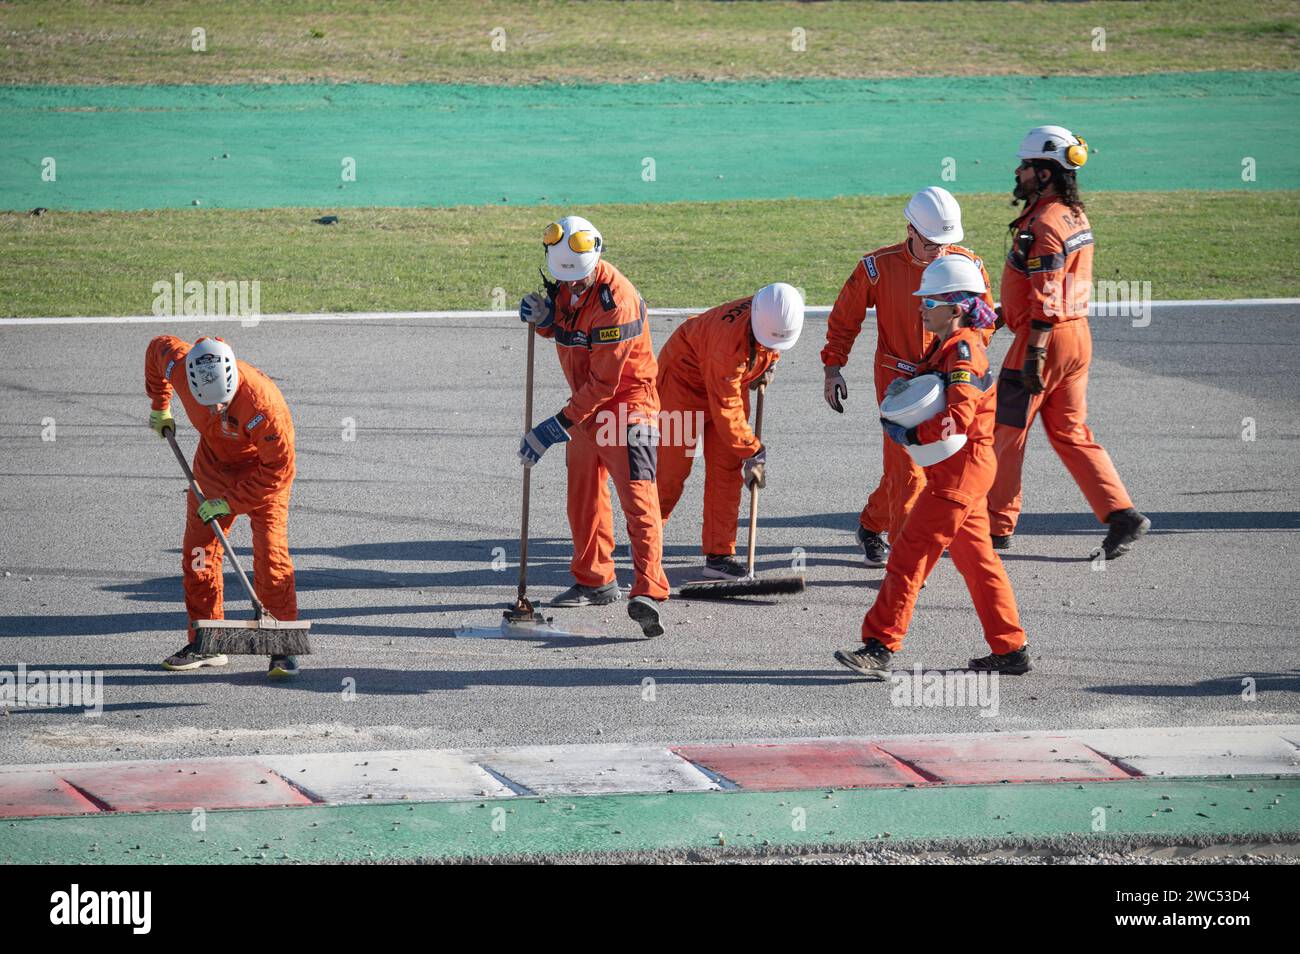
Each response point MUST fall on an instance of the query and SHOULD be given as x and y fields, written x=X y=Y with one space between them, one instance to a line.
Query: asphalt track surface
x=147 y=147
x=393 y=535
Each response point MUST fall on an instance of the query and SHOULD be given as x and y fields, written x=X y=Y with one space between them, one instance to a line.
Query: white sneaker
x=189 y=657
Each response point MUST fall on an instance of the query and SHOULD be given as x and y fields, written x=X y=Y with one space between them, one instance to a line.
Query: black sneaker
x=645 y=613
x=282 y=667
x=189 y=657
x=1126 y=527
x=874 y=547
x=723 y=566
x=1014 y=663
x=869 y=659
x=579 y=595
x=1001 y=541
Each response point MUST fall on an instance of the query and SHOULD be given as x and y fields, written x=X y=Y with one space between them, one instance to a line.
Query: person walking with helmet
x=602 y=335
x=1046 y=286
x=886 y=280
x=245 y=465
x=708 y=366
x=955 y=444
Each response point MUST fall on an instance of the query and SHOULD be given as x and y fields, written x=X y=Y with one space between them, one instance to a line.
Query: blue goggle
x=936 y=302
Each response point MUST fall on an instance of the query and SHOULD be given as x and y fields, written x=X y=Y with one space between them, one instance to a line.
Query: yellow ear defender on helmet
x=580 y=241
x=1078 y=154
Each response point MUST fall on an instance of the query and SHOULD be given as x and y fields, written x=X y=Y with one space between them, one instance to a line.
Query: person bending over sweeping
x=951 y=513
x=598 y=322
x=244 y=464
x=709 y=366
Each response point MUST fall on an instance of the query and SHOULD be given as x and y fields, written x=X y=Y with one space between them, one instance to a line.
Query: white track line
x=813 y=311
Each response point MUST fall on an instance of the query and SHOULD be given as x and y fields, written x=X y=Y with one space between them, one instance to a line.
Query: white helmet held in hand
x=936 y=215
x=1056 y=143
x=212 y=372
x=951 y=273
x=776 y=316
x=573 y=247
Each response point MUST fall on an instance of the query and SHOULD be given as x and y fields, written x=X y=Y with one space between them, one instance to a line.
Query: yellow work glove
x=210 y=510
x=161 y=419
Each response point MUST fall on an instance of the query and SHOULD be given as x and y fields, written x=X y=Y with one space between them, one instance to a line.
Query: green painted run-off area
x=1262 y=809
x=440 y=145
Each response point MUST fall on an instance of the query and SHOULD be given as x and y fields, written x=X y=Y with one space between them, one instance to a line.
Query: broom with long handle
x=263 y=635
x=754 y=488
x=751 y=585
x=522 y=614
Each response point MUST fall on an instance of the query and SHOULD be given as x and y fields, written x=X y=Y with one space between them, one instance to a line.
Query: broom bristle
x=756 y=586
x=251 y=640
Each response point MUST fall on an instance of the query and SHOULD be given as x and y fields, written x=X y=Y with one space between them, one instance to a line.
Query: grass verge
x=445 y=41
x=1187 y=244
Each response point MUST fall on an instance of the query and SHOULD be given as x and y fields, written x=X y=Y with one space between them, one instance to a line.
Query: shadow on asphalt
x=406 y=682
x=1053 y=524
x=1218 y=686
x=168 y=589
x=324 y=623
x=107 y=707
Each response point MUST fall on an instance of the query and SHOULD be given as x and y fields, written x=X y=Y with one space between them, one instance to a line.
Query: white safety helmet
x=951 y=273
x=936 y=215
x=1056 y=143
x=776 y=316
x=573 y=247
x=212 y=372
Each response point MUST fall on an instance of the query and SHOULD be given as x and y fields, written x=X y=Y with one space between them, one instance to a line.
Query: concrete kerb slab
x=1241 y=750
x=573 y=770
x=596 y=769
x=345 y=778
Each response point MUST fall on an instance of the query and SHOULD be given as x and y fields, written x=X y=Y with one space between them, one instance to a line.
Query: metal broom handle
x=753 y=487
x=528 y=471
x=170 y=434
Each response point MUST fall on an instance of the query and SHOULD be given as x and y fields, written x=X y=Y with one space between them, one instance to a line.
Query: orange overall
x=950 y=514
x=1046 y=282
x=246 y=457
x=603 y=340
x=705 y=371
x=886 y=280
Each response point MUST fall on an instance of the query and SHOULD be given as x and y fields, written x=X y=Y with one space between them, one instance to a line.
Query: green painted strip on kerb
x=270 y=146
x=1243 y=807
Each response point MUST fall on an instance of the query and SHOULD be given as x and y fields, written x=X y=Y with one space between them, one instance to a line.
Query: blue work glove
x=536 y=441
x=897 y=386
x=898 y=433
x=536 y=309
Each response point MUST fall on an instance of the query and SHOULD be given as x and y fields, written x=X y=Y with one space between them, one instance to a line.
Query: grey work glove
x=752 y=469
x=834 y=389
